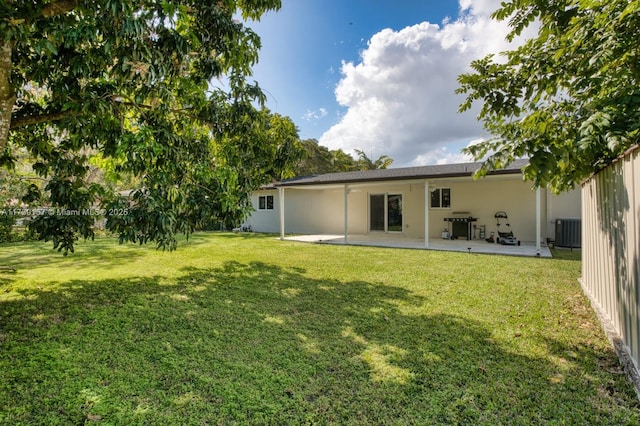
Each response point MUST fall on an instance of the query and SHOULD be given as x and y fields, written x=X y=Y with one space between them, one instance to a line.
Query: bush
x=23 y=233
x=6 y=224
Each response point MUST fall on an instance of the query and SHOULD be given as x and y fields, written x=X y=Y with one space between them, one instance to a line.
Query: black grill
x=461 y=226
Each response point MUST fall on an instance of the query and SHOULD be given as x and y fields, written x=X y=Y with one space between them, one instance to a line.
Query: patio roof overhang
x=415 y=175
x=446 y=171
x=440 y=179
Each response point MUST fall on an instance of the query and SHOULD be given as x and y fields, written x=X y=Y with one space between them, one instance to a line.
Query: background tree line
x=318 y=159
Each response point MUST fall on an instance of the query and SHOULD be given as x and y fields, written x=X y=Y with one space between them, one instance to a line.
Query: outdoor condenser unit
x=568 y=233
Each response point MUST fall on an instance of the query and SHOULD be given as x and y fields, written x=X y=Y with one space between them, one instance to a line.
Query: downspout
x=346 y=213
x=281 y=201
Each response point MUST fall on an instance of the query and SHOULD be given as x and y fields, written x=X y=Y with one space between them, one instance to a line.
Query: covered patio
x=399 y=241
x=440 y=207
x=409 y=207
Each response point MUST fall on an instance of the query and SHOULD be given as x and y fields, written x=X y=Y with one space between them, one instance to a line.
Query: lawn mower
x=505 y=238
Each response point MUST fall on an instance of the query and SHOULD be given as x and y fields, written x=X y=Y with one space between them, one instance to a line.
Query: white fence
x=611 y=251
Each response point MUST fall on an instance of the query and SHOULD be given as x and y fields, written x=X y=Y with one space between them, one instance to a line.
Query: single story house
x=425 y=202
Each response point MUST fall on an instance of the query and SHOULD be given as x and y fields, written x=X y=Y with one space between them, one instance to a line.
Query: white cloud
x=479 y=7
x=315 y=115
x=441 y=155
x=400 y=98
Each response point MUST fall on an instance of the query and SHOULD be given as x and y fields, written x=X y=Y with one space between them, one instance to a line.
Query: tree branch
x=29 y=120
x=59 y=7
x=42 y=118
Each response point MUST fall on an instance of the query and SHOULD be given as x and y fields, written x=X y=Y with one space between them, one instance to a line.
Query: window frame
x=265 y=202
x=384 y=225
x=441 y=198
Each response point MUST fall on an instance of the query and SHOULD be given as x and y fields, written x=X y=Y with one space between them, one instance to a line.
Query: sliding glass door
x=376 y=212
x=394 y=213
x=385 y=212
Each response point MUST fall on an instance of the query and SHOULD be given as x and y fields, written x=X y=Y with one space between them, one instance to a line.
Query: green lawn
x=246 y=329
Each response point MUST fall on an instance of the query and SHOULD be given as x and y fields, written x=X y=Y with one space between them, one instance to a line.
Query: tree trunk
x=7 y=95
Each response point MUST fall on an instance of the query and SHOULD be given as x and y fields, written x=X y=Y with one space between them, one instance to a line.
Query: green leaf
x=563 y=94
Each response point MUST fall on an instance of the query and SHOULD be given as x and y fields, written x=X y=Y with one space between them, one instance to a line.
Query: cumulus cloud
x=399 y=97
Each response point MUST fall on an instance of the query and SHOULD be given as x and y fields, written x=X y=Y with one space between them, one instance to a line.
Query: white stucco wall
x=264 y=220
x=321 y=211
x=483 y=198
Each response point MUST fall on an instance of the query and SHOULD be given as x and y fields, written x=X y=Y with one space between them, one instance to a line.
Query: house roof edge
x=405 y=173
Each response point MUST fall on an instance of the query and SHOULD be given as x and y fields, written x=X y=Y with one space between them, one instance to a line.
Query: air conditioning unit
x=568 y=233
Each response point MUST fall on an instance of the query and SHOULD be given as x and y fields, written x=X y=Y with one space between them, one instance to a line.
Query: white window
x=441 y=198
x=265 y=202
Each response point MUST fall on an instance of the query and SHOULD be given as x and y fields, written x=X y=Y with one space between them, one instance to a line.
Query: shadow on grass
x=105 y=251
x=32 y=255
x=258 y=343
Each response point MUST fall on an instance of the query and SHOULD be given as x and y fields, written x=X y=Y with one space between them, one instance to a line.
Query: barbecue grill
x=460 y=226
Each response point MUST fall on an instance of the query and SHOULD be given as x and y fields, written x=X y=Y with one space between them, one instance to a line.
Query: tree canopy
x=365 y=163
x=318 y=159
x=569 y=99
x=156 y=89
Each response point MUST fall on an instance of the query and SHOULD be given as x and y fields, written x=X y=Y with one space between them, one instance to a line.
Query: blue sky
x=377 y=75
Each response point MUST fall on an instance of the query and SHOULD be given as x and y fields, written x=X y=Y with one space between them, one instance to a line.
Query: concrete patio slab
x=398 y=241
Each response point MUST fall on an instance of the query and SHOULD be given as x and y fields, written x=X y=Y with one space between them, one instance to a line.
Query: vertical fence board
x=611 y=246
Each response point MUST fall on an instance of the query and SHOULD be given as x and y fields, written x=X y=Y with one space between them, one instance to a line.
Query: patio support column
x=346 y=212
x=538 y=218
x=281 y=200
x=426 y=214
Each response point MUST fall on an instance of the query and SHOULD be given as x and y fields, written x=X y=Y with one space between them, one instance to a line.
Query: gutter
x=392 y=178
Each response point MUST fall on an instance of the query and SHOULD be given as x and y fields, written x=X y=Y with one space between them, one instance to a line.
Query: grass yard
x=245 y=329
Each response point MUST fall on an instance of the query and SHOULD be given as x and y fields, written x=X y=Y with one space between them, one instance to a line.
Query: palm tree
x=365 y=163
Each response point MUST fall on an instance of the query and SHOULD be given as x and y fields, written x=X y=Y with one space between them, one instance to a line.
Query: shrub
x=6 y=224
